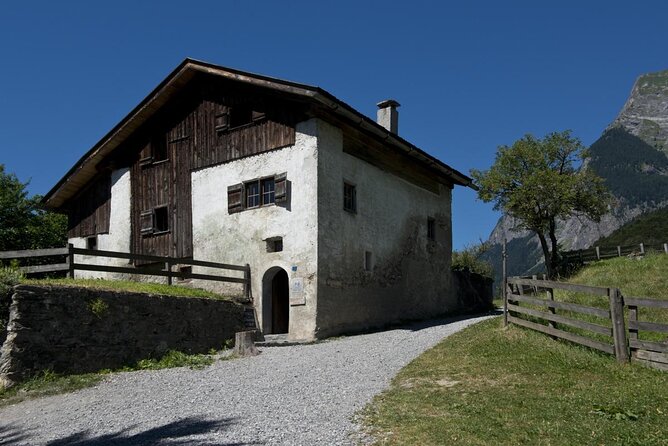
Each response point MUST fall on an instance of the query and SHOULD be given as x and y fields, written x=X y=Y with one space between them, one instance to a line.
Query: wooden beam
x=607 y=348
x=562 y=305
x=596 y=328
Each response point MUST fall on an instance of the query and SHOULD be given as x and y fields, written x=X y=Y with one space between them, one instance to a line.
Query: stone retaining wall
x=79 y=330
x=474 y=292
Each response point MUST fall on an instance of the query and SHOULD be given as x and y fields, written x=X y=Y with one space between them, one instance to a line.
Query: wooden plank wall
x=193 y=143
x=88 y=212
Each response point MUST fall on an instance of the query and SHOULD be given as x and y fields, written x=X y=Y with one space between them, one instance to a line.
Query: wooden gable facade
x=211 y=121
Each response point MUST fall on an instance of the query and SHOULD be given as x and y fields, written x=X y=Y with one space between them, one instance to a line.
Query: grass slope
x=127 y=285
x=489 y=385
x=650 y=229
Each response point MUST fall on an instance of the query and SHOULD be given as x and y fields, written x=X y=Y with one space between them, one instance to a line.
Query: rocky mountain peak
x=645 y=113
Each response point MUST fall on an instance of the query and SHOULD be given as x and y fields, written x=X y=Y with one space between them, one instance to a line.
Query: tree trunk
x=244 y=345
x=546 y=254
x=554 y=255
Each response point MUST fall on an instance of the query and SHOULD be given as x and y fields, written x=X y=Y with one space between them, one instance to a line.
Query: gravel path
x=298 y=395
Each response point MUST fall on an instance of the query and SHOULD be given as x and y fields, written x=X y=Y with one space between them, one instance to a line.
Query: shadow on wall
x=178 y=433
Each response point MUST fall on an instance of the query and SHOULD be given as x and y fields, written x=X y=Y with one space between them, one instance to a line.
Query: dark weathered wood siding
x=193 y=142
x=88 y=212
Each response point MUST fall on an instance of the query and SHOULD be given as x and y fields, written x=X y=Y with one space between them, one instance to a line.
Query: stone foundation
x=79 y=330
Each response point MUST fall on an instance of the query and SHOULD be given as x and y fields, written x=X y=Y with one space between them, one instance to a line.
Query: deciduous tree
x=23 y=224
x=540 y=182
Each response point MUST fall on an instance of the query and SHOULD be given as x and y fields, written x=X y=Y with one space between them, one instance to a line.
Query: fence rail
x=167 y=265
x=624 y=341
x=607 y=252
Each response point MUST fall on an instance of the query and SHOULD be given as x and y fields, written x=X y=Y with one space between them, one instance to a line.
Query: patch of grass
x=45 y=384
x=127 y=285
x=490 y=385
x=175 y=358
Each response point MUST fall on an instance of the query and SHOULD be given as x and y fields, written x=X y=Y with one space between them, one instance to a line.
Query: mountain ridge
x=631 y=156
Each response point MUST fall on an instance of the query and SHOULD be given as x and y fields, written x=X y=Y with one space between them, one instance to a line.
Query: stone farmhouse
x=345 y=225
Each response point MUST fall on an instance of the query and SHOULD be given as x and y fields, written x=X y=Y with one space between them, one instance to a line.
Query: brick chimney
x=388 y=116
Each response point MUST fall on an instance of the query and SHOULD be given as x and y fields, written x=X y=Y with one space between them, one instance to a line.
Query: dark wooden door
x=280 y=303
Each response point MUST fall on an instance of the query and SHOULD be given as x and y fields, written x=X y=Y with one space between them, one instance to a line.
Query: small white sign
x=297 y=292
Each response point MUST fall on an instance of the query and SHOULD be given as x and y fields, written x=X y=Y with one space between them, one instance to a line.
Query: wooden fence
x=584 y=256
x=166 y=265
x=609 y=322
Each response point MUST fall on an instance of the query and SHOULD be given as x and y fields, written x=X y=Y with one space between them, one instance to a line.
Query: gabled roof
x=85 y=169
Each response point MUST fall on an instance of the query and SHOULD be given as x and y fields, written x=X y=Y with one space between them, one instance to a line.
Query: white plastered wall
x=118 y=237
x=240 y=238
x=410 y=275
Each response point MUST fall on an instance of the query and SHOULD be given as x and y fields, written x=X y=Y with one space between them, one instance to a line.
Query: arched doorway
x=275 y=301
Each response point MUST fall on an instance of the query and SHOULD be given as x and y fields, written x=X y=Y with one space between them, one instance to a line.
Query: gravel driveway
x=298 y=395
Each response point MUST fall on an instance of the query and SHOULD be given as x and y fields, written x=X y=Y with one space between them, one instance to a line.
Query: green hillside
x=632 y=169
x=650 y=229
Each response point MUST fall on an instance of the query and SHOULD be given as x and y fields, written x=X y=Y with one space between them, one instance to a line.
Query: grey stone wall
x=78 y=330
x=474 y=292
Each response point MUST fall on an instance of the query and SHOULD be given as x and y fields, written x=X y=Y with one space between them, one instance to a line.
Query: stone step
x=277 y=340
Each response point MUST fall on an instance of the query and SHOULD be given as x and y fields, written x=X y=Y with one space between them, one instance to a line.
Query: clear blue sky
x=470 y=75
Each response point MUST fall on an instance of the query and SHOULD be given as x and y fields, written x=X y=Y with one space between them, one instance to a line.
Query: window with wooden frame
x=234 y=117
x=159 y=151
x=349 y=197
x=154 y=221
x=257 y=193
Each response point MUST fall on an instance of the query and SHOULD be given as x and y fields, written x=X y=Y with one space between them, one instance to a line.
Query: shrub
x=468 y=259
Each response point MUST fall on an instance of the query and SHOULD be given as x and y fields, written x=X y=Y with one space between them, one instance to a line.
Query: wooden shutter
x=281 y=188
x=235 y=198
x=222 y=120
x=146 y=220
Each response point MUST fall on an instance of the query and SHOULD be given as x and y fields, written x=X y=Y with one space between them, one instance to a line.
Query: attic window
x=159 y=150
x=161 y=219
x=235 y=117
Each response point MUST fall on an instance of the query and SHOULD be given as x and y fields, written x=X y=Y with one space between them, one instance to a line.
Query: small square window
x=253 y=194
x=161 y=216
x=275 y=244
x=349 y=197
x=91 y=242
x=431 y=228
x=185 y=270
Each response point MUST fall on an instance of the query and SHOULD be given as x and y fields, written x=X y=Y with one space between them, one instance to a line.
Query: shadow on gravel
x=10 y=435
x=172 y=434
x=421 y=325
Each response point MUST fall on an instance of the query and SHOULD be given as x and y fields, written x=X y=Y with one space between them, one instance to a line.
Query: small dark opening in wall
x=431 y=228
x=186 y=270
x=91 y=242
x=368 y=261
x=275 y=244
x=161 y=219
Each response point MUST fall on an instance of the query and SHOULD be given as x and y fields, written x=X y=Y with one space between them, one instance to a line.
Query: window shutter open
x=235 y=198
x=281 y=187
x=146 y=222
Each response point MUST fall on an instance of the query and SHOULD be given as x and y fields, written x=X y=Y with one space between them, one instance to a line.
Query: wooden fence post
x=505 y=284
x=619 y=251
x=168 y=268
x=70 y=260
x=642 y=249
x=247 y=284
x=665 y=247
x=618 y=328
x=598 y=253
